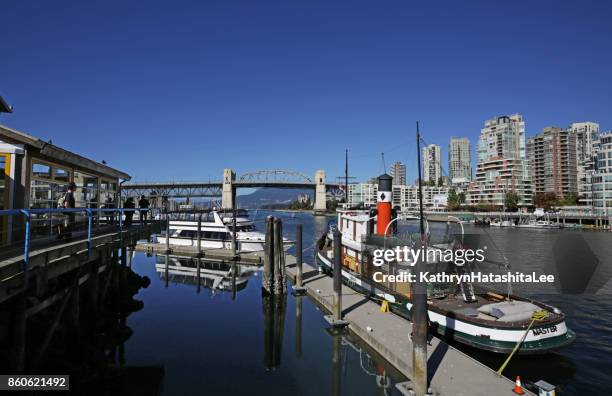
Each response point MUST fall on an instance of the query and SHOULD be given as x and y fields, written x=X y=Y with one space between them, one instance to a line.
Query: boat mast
x=346 y=177
x=420 y=183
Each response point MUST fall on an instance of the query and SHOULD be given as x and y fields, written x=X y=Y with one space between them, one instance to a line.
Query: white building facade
x=406 y=198
x=602 y=178
x=502 y=163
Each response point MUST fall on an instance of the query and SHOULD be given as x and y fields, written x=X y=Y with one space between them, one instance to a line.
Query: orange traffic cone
x=518 y=389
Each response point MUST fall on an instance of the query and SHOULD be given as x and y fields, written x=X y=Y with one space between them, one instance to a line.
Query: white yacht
x=534 y=223
x=216 y=231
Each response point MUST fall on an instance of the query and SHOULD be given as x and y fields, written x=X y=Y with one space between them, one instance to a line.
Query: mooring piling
x=267 y=278
x=274 y=274
x=234 y=231
x=167 y=233
x=335 y=319
x=278 y=252
x=199 y=235
x=298 y=289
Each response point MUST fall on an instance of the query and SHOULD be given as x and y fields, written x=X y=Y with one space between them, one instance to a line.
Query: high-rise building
x=431 y=163
x=587 y=134
x=398 y=173
x=502 y=164
x=552 y=162
x=602 y=177
x=459 y=160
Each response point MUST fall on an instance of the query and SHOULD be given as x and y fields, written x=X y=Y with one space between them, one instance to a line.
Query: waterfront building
x=398 y=173
x=431 y=163
x=362 y=193
x=602 y=178
x=405 y=198
x=459 y=160
x=502 y=165
x=552 y=162
x=587 y=134
x=36 y=174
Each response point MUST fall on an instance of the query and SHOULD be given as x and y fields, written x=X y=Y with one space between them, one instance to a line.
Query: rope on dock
x=537 y=315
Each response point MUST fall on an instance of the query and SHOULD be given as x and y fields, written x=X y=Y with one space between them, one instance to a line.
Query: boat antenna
x=418 y=135
x=383 y=162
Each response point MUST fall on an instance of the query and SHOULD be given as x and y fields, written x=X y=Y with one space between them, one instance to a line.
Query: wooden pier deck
x=450 y=371
x=52 y=260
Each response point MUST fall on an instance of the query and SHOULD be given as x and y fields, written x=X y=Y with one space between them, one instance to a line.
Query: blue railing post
x=89 y=221
x=26 y=248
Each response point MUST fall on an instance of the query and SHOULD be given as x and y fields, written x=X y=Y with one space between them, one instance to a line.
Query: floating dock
x=450 y=371
x=252 y=258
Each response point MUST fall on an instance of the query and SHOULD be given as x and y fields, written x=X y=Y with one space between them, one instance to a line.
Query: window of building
x=41 y=170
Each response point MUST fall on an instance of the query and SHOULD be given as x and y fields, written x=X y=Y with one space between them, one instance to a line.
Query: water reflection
x=217 y=276
x=78 y=326
x=274 y=308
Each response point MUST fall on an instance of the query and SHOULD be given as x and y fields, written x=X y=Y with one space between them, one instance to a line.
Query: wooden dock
x=252 y=258
x=450 y=371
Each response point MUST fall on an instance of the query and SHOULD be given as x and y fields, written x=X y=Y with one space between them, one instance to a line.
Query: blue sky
x=180 y=90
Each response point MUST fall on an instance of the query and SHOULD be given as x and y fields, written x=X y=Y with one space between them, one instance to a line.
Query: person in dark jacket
x=67 y=202
x=129 y=214
x=143 y=203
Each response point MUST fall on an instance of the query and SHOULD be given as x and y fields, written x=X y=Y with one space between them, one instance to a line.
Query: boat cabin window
x=244 y=228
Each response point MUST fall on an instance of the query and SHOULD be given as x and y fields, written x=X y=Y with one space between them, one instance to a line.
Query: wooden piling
x=337 y=312
x=267 y=278
x=298 y=255
x=234 y=229
x=418 y=315
x=281 y=262
x=278 y=255
x=167 y=233
x=199 y=236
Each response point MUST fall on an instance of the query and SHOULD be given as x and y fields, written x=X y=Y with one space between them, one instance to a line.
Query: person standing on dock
x=129 y=214
x=143 y=203
x=67 y=202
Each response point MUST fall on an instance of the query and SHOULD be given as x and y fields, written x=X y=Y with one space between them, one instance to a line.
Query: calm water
x=212 y=343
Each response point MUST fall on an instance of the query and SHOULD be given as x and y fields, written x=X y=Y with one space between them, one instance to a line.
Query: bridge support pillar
x=320 y=192
x=227 y=198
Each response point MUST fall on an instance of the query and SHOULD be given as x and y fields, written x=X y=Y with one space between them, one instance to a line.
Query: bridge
x=226 y=188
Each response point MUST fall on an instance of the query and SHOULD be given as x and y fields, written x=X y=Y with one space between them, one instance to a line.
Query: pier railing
x=21 y=230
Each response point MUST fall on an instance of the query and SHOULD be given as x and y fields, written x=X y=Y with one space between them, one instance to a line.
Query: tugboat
x=463 y=312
